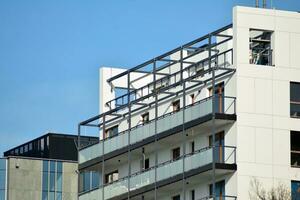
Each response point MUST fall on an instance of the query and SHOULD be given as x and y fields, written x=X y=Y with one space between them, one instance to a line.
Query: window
x=176 y=153
x=26 y=148
x=30 y=147
x=192 y=147
x=177 y=197
x=145 y=164
x=260 y=47
x=219 y=190
x=52 y=184
x=295 y=190
x=88 y=180
x=192 y=98
x=42 y=144
x=111 y=177
x=219 y=146
x=111 y=131
x=192 y=195
x=145 y=118
x=295 y=148
x=2 y=178
x=21 y=150
x=176 y=106
x=295 y=99
x=219 y=97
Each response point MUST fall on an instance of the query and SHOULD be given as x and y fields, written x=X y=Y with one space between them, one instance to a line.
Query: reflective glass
x=86 y=181
x=2 y=194
x=59 y=182
x=52 y=196
x=2 y=179
x=45 y=195
x=58 y=196
x=45 y=181
x=59 y=167
x=45 y=165
x=95 y=179
x=295 y=92
x=52 y=166
x=2 y=164
x=52 y=181
x=295 y=190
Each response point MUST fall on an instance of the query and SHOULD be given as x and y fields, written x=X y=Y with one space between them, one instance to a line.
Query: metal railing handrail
x=163 y=164
x=158 y=118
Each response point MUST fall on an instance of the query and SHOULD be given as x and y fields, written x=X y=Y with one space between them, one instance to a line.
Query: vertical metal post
x=103 y=161
x=129 y=127
x=155 y=127
x=213 y=120
x=264 y=4
x=183 y=125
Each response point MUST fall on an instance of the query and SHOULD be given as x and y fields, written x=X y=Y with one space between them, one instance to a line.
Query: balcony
x=167 y=124
x=197 y=164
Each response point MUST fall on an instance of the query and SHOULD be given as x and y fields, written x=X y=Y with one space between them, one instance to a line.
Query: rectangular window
x=59 y=182
x=176 y=106
x=219 y=189
x=52 y=166
x=111 y=177
x=42 y=144
x=110 y=132
x=45 y=195
x=59 y=167
x=219 y=146
x=260 y=44
x=147 y=163
x=52 y=180
x=192 y=195
x=295 y=148
x=177 y=197
x=295 y=190
x=145 y=118
x=192 y=147
x=58 y=196
x=176 y=153
x=95 y=179
x=45 y=181
x=192 y=98
x=295 y=99
x=2 y=178
x=30 y=147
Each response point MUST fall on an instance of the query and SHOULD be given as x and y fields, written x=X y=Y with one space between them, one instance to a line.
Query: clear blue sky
x=50 y=52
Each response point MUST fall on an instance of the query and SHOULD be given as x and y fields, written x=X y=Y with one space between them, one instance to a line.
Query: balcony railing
x=165 y=170
x=165 y=122
x=223 y=197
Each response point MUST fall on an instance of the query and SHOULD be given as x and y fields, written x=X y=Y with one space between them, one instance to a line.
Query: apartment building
x=42 y=169
x=204 y=120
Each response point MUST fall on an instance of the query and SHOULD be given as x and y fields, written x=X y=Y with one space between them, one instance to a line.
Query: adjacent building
x=42 y=169
x=204 y=120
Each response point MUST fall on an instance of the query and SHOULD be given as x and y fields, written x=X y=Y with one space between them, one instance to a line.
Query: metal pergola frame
x=101 y=120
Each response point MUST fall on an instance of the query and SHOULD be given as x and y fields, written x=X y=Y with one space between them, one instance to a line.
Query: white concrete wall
x=264 y=123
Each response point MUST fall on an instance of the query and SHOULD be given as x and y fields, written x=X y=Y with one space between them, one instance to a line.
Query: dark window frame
x=294 y=102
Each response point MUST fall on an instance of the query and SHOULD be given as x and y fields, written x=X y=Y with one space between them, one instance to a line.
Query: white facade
x=255 y=120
